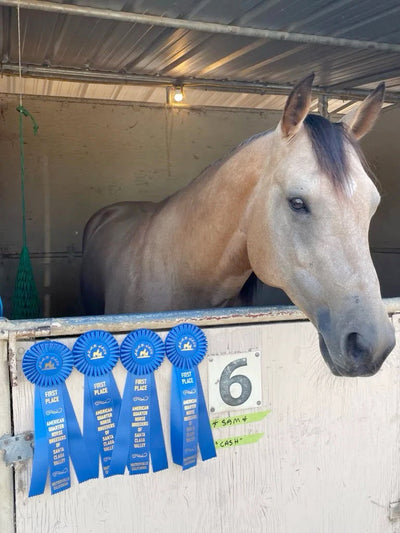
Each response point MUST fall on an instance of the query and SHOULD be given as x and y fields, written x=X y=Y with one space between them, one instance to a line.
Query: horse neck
x=215 y=211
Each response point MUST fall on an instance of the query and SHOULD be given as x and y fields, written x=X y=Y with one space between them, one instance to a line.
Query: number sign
x=234 y=381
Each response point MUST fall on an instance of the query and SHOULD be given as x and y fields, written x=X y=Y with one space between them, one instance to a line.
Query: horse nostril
x=355 y=347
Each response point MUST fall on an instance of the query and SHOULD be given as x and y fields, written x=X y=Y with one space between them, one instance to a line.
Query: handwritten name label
x=230 y=421
x=238 y=441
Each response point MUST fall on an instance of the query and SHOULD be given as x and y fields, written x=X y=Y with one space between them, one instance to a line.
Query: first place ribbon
x=95 y=355
x=47 y=365
x=139 y=434
x=186 y=346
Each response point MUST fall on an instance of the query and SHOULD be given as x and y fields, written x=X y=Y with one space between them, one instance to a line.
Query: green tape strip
x=229 y=421
x=238 y=441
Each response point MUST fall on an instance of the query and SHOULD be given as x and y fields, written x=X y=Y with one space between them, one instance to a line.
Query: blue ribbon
x=186 y=346
x=184 y=416
x=102 y=404
x=57 y=435
x=95 y=354
x=139 y=434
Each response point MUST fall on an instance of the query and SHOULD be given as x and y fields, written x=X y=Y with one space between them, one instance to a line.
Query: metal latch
x=394 y=511
x=17 y=447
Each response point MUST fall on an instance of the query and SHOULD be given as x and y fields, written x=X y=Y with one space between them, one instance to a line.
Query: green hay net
x=25 y=300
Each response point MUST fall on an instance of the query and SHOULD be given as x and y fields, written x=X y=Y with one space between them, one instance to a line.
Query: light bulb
x=178 y=94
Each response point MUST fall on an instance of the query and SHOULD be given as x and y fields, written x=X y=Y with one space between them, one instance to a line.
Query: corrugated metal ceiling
x=94 y=45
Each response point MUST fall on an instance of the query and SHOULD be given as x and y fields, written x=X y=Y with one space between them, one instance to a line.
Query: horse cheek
x=261 y=251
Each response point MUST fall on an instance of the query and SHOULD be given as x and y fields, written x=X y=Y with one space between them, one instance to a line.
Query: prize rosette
x=186 y=346
x=47 y=365
x=95 y=355
x=139 y=434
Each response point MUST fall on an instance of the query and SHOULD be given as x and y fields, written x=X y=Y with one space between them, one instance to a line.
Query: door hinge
x=17 y=447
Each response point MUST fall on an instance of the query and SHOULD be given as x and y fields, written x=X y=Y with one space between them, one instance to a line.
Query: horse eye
x=298 y=204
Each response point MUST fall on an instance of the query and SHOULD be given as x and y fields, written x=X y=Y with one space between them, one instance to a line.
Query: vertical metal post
x=323 y=105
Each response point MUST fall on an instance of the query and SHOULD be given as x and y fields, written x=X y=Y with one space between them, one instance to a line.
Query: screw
x=258 y=403
x=212 y=409
x=257 y=354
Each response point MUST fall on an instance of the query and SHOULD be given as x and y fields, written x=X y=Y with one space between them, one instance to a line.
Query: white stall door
x=325 y=459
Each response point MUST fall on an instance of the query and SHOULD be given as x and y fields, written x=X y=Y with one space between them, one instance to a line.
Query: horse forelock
x=330 y=142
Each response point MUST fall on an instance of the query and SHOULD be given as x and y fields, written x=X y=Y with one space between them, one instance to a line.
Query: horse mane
x=329 y=141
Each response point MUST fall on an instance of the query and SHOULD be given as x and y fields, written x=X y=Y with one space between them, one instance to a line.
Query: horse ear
x=361 y=120
x=297 y=106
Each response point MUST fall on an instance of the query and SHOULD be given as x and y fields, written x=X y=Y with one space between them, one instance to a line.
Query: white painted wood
x=328 y=461
x=6 y=475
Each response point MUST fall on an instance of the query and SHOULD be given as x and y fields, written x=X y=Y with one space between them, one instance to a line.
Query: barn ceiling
x=224 y=52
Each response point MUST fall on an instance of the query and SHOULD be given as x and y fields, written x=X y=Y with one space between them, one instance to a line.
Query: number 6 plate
x=234 y=381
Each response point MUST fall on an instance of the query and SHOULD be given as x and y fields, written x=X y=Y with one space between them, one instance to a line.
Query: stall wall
x=87 y=155
x=381 y=147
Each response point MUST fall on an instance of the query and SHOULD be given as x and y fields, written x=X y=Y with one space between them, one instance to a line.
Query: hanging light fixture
x=177 y=94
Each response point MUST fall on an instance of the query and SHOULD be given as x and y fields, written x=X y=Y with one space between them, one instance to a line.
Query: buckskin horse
x=292 y=205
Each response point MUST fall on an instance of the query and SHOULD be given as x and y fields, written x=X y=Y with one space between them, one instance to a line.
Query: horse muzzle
x=356 y=351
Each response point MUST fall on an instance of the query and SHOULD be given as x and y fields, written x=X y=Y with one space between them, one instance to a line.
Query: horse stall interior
x=99 y=78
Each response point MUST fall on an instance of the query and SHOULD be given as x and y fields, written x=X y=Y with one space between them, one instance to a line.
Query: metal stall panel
x=6 y=474
x=327 y=459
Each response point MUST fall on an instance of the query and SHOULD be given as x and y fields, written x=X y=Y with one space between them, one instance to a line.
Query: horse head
x=313 y=238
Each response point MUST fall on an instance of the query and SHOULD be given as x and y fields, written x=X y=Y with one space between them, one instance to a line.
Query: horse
x=293 y=205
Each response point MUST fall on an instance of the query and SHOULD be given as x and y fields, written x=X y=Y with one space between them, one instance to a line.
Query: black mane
x=329 y=140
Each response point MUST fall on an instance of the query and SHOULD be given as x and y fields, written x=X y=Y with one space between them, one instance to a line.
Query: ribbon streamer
x=95 y=355
x=139 y=433
x=186 y=346
x=47 y=365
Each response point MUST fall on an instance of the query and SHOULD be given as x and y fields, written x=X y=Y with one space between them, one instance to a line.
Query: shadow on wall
x=256 y=293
